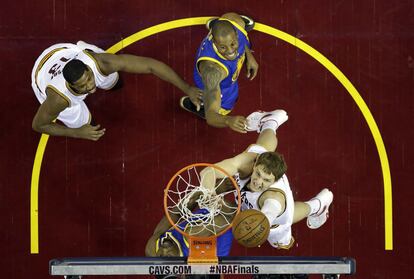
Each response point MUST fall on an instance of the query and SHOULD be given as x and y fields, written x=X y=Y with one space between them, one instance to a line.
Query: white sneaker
x=319 y=218
x=256 y=119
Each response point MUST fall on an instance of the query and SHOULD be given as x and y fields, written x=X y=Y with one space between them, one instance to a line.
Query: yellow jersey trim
x=43 y=61
x=173 y=239
x=95 y=61
x=59 y=93
x=223 y=111
x=205 y=58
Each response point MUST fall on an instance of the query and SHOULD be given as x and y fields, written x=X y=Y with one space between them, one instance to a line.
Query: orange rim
x=167 y=213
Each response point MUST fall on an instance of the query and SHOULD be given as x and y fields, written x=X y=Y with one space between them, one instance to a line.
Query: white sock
x=314 y=205
x=271 y=209
x=270 y=124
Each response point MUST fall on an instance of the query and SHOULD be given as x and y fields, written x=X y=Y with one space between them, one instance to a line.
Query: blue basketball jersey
x=224 y=241
x=208 y=52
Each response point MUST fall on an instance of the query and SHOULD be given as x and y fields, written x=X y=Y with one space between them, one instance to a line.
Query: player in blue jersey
x=168 y=242
x=218 y=63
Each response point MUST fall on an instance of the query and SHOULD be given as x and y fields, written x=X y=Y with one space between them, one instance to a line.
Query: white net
x=200 y=210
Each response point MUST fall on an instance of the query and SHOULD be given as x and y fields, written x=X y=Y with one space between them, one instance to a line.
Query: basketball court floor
x=346 y=82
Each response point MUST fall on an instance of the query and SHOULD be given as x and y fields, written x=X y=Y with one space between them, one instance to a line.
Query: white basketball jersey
x=250 y=200
x=48 y=71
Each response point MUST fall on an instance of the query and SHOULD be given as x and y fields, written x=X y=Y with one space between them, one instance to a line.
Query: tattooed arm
x=212 y=75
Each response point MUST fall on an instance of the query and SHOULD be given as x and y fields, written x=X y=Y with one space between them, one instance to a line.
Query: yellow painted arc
x=267 y=30
x=157 y=29
x=34 y=200
x=363 y=108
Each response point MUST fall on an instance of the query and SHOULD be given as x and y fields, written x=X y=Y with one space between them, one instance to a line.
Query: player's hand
x=196 y=96
x=237 y=123
x=89 y=132
x=252 y=67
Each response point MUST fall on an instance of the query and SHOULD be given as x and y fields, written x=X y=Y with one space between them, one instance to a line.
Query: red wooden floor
x=104 y=198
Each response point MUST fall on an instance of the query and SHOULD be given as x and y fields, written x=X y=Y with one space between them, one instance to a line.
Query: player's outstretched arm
x=272 y=204
x=240 y=163
x=43 y=121
x=252 y=66
x=111 y=63
x=212 y=75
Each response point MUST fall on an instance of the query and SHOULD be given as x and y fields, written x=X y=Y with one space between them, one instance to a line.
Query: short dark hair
x=73 y=70
x=222 y=28
x=273 y=163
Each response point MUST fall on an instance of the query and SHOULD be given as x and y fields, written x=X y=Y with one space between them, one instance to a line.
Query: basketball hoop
x=199 y=202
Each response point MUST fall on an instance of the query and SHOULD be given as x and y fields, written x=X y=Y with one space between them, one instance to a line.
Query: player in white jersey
x=65 y=74
x=260 y=173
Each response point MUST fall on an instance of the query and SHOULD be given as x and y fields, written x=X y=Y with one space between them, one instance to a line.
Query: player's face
x=168 y=249
x=260 y=180
x=86 y=83
x=227 y=45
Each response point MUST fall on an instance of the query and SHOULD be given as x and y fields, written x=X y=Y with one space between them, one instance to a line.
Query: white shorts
x=281 y=237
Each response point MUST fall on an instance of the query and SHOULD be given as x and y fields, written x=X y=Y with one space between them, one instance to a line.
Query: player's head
x=225 y=39
x=168 y=248
x=268 y=168
x=79 y=76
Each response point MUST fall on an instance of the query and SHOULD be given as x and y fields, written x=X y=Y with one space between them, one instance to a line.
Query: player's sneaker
x=319 y=218
x=248 y=22
x=186 y=104
x=256 y=119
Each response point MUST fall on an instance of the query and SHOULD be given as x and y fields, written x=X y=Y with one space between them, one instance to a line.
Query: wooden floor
x=105 y=198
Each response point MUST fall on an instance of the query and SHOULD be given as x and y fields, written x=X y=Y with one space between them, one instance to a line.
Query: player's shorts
x=281 y=237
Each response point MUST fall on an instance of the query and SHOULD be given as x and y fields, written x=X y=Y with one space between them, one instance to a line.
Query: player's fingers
x=96 y=127
x=241 y=130
x=240 y=126
x=96 y=137
x=254 y=74
x=241 y=119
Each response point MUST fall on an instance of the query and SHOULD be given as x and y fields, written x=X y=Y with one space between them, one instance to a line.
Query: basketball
x=251 y=228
